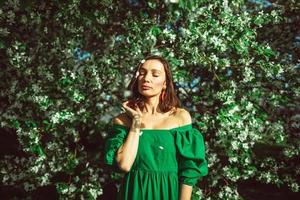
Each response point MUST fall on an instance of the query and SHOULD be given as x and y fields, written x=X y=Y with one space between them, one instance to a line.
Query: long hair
x=170 y=101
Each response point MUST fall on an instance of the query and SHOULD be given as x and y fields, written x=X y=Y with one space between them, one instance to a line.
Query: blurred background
x=65 y=66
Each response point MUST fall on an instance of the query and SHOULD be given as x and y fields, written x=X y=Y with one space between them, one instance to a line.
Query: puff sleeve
x=191 y=155
x=113 y=143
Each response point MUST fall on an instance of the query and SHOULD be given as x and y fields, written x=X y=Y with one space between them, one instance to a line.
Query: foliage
x=66 y=65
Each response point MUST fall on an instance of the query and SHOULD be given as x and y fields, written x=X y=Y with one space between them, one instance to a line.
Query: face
x=151 y=74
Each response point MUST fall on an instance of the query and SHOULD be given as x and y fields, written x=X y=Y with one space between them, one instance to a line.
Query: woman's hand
x=135 y=114
x=127 y=152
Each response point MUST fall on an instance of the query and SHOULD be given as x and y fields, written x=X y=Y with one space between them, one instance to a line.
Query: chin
x=146 y=93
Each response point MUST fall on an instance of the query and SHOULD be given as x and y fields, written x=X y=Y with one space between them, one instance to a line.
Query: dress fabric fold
x=165 y=159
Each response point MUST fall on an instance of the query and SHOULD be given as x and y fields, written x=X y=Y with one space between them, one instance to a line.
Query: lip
x=146 y=87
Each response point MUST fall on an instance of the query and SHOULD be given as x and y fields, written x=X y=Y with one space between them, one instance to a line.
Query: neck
x=151 y=106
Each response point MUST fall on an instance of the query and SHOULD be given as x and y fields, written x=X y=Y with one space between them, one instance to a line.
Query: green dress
x=165 y=159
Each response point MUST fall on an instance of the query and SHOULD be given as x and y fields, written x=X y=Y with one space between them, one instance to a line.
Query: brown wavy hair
x=171 y=100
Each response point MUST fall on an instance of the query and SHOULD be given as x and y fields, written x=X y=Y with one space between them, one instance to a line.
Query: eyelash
x=154 y=75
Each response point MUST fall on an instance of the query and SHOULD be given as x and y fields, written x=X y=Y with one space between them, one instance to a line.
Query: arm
x=126 y=154
x=185 y=190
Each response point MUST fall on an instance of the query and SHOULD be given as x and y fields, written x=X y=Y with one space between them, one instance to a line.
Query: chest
x=160 y=122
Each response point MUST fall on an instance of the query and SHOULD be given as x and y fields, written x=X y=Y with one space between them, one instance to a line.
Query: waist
x=154 y=171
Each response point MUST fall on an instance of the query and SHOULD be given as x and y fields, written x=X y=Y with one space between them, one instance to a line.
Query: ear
x=165 y=85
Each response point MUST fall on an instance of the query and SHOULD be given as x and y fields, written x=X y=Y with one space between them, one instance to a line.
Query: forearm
x=185 y=192
x=127 y=152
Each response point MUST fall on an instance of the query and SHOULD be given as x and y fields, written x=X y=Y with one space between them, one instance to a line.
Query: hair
x=170 y=101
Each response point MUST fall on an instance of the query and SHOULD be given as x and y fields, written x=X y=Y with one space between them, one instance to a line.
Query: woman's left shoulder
x=184 y=116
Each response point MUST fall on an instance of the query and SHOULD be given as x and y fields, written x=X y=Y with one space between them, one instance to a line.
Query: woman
x=154 y=141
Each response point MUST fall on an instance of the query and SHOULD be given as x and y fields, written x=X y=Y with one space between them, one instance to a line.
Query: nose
x=147 y=77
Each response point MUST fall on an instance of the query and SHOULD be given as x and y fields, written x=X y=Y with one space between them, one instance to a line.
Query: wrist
x=136 y=123
x=136 y=130
x=136 y=127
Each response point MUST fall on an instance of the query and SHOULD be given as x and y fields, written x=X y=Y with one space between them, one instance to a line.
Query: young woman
x=154 y=142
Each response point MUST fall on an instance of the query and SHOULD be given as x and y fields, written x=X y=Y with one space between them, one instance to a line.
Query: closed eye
x=143 y=73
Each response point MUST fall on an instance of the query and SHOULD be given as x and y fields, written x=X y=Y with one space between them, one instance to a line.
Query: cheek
x=158 y=83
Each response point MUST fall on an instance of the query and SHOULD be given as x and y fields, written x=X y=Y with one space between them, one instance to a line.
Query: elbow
x=123 y=166
x=125 y=169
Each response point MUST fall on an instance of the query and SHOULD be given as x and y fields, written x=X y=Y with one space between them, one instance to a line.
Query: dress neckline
x=146 y=129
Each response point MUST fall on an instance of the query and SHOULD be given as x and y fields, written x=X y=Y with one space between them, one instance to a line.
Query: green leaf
x=15 y=123
x=61 y=187
x=37 y=149
x=2 y=45
x=155 y=30
x=30 y=124
x=65 y=82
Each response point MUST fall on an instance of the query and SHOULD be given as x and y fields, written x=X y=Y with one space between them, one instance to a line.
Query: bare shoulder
x=122 y=119
x=184 y=116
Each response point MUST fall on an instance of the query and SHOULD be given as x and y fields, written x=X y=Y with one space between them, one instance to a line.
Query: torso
x=167 y=120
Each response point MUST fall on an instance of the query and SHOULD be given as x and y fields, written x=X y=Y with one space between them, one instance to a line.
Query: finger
x=139 y=111
x=123 y=109
x=129 y=109
x=125 y=105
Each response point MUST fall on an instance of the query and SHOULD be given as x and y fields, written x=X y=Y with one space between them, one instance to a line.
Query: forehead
x=153 y=65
